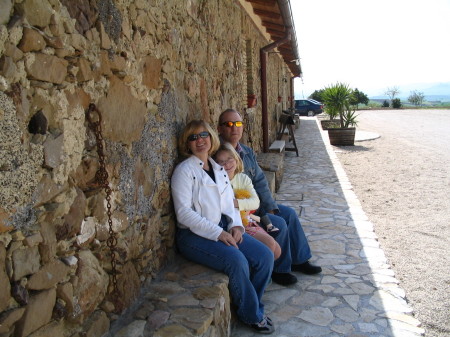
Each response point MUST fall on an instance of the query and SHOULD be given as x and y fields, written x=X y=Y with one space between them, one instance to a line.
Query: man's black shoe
x=284 y=279
x=264 y=327
x=306 y=268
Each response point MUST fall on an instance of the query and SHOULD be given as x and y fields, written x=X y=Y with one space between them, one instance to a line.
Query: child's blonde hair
x=227 y=147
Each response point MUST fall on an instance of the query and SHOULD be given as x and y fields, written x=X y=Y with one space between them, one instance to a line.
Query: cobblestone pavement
x=357 y=293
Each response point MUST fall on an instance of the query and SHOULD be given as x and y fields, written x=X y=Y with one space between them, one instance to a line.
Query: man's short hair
x=227 y=111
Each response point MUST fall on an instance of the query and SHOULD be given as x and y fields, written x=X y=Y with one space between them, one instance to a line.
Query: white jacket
x=199 y=202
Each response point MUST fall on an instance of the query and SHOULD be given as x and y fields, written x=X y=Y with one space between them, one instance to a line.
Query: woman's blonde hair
x=227 y=147
x=193 y=127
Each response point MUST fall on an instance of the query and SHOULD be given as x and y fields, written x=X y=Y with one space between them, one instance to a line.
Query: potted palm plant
x=337 y=99
x=332 y=122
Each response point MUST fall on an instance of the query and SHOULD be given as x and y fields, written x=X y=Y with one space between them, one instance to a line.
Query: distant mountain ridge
x=432 y=92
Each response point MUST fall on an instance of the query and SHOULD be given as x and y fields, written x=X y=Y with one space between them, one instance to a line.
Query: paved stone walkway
x=357 y=293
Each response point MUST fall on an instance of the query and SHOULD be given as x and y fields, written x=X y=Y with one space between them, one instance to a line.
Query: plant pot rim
x=339 y=128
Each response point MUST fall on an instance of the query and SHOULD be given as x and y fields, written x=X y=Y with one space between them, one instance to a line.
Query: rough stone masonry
x=148 y=66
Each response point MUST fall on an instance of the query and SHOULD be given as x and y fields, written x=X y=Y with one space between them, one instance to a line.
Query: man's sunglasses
x=203 y=134
x=230 y=124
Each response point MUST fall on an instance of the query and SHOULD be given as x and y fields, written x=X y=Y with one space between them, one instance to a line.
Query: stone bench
x=277 y=146
x=273 y=166
x=184 y=299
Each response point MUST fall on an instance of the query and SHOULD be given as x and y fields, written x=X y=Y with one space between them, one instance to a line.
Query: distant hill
x=433 y=92
x=437 y=98
x=438 y=89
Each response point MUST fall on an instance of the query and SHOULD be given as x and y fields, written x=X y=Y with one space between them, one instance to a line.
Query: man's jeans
x=292 y=240
x=249 y=268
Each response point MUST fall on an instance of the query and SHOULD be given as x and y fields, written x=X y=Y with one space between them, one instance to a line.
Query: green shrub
x=396 y=103
x=385 y=104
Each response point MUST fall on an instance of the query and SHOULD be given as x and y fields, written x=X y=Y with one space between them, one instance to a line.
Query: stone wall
x=148 y=66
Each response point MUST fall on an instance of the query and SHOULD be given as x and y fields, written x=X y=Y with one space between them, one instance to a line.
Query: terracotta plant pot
x=251 y=101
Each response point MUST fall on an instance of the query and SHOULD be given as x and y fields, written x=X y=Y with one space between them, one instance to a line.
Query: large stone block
x=270 y=177
x=273 y=162
x=117 y=63
x=31 y=41
x=47 y=189
x=48 y=276
x=47 y=68
x=53 y=151
x=97 y=325
x=104 y=68
x=123 y=114
x=26 y=261
x=151 y=72
x=37 y=314
x=12 y=51
x=73 y=219
x=8 y=318
x=7 y=67
x=6 y=6
x=37 y=12
x=82 y=11
x=51 y=329
x=92 y=284
x=5 y=287
x=129 y=285
x=84 y=70
x=87 y=232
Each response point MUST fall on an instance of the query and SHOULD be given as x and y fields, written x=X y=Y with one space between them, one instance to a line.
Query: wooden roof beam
x=275 y=26
x=264 y=2
x=267 y=14
x=276 y=32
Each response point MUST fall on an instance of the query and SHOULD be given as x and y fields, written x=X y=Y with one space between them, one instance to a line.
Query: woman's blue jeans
x=292 y=239
x=249 y=268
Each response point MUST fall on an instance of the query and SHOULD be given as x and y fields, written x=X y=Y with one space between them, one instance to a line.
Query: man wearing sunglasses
x=295 y=251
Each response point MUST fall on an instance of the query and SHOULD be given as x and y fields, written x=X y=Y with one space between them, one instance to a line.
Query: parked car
x=308 y=107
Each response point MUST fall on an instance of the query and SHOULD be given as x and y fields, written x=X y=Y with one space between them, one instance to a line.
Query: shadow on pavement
x=357 y=293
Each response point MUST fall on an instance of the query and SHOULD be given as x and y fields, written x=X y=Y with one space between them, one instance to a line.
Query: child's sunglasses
x=230 y=124
x=203 y=134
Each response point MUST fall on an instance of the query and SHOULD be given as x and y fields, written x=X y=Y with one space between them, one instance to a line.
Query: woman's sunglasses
x=230 y=124
x=193 y=137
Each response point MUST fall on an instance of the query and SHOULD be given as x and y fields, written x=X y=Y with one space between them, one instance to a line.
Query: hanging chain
x=102 y=179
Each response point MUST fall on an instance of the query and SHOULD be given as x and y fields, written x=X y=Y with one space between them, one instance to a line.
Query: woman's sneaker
x=264 y=327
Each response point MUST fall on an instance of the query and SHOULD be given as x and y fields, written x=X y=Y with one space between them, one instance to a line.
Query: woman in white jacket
x=210 y=230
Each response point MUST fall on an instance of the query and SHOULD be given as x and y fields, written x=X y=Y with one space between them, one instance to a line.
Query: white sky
x=371 y=45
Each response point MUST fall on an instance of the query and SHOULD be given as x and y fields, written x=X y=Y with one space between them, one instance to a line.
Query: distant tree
x=317 y=95
x=392 y=92
x=385 y=104
x=416 y=97
x=396 y=103
x=358 y=97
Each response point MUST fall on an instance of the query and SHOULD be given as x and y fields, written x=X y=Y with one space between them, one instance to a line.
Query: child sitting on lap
x=246 y=200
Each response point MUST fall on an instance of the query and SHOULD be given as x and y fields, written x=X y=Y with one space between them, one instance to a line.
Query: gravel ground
x=403 y=182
